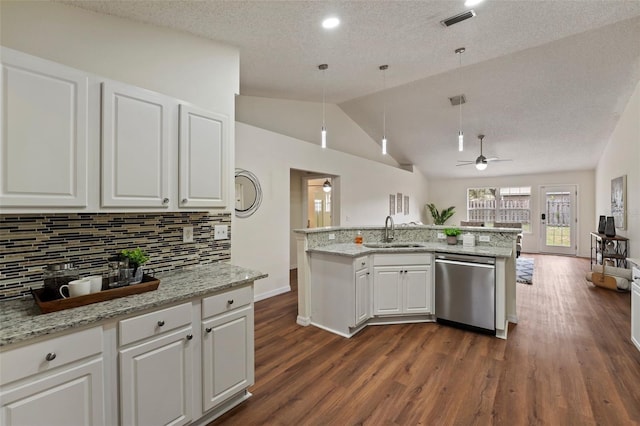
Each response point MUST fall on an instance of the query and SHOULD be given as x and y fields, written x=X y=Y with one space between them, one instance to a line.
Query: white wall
x=343 y=134
x=621 y=157
x=184 y=66
x=452 y=192
x=262 y=241
x=296 y=207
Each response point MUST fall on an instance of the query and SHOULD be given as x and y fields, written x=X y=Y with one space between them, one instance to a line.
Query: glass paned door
x=558 y=219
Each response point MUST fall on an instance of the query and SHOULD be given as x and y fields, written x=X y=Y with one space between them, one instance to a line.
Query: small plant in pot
x=137 y=257
x=452 y=235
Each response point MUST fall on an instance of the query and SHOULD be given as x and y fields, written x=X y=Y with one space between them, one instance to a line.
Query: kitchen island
x=189 y=344
x=339 y=281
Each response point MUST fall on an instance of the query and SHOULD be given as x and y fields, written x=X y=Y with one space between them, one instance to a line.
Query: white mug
x=96 y=282
x=76 y=288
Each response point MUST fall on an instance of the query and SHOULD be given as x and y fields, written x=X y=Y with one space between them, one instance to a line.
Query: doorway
x=558 y=219
x=319 y=202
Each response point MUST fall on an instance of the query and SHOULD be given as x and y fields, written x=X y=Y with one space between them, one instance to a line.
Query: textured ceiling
x=545 y=80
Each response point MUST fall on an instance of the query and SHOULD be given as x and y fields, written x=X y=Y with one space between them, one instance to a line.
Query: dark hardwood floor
x=569 y=361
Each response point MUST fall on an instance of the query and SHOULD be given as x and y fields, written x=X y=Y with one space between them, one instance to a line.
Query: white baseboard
x=271 y=293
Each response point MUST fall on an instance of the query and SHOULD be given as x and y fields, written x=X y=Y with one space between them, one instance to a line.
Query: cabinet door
x=204 y=158
x=387 y=290
x=156 y=380
x=135 y=147
x=43 y=133
x=71 y=396
x=417 y=290
x=227 y=356
x=635 y=314
x=362 y=312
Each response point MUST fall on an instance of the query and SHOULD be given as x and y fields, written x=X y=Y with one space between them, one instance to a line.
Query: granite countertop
x=354 y=250
x=21 y=319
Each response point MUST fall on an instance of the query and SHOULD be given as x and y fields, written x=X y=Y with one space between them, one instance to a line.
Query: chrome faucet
x=388 y=236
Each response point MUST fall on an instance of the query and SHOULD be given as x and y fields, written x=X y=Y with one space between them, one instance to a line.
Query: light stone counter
x=354 y=250
x=21 y=320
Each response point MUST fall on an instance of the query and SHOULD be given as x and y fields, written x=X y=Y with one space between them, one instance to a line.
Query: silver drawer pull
x=165 y=201
x=189 y=336
x=230 y=302
x=50 y=356
x=208 y=329
x=160 y=323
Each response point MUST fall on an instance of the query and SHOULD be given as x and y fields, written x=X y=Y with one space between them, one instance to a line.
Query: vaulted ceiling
x=545 y=81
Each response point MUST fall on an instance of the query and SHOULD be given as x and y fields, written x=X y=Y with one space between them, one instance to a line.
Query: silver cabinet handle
x=184 y=201
x=189 y=336
x=208 y=329
x=230 y=302
x=160 y=323
x=165 y=201
x=50 y=356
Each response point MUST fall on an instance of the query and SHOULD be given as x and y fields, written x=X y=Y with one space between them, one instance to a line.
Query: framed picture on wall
x=406 y=205
x=392 y=204
x=619 y=201
x=399 y=201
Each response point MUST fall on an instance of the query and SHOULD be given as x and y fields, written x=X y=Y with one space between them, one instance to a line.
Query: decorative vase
x=610 y=227
x=601 y=224
x=452 y=240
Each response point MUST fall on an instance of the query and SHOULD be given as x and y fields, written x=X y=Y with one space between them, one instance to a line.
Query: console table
x=614 y=248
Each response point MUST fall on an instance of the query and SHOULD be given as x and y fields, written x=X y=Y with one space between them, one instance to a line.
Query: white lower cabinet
x=635 y=314
x=402 y=284
x=58 y=381
x=156 y=380
x=362 y=291
x=227 y=356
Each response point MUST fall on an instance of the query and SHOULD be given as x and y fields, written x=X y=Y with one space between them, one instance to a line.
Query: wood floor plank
x=568 y=361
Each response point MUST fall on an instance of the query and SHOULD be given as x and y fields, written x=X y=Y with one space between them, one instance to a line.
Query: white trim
x=271 y=293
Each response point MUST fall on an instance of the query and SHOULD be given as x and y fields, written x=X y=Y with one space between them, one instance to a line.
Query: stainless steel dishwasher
x=466 y=291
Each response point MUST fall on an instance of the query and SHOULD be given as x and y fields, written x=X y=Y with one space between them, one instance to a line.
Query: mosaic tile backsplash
x=30 y=242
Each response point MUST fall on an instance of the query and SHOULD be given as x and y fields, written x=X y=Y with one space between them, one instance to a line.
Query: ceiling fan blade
x=465 y=163
x=495 y=159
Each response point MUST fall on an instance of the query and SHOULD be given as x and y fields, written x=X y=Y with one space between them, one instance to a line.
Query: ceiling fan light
x=481 y=164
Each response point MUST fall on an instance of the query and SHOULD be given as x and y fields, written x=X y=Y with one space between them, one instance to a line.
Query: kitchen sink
x=392 y=245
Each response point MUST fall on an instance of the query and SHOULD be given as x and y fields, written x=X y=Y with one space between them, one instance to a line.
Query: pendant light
x=459 y=52
x=326 y=186
x=323 y=132
x=384 y=68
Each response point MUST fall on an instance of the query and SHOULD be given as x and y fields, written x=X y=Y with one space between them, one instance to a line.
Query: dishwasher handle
x=470 y=264
x=466 y=258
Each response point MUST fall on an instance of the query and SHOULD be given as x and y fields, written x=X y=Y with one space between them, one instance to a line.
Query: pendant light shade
x=384 y=68
x=459 y=52
x=323 y=132
x=326 y=186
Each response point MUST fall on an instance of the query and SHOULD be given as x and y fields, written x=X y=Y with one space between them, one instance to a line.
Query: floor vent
x=458 y=18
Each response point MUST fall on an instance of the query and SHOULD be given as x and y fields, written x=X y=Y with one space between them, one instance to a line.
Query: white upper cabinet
x=43 y=133
x=135 y=147
x=204 y=158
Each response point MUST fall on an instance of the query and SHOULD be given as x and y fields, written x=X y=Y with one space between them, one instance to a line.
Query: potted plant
x=440 y=217
x=452 y=235
x=137 y=257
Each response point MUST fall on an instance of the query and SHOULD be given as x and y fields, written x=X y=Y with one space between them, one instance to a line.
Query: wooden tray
x=148 y=283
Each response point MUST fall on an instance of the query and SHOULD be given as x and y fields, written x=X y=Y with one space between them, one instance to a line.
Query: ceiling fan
x=481 y=162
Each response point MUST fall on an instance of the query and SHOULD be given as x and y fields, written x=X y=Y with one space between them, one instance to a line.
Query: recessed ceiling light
x=470 y=3
x=330 y=23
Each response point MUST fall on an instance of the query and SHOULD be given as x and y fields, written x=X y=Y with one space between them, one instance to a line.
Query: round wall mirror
x=248 y=193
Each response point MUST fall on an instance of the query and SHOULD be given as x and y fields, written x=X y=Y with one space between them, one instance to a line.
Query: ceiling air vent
x=458 y=18
x=457 y=100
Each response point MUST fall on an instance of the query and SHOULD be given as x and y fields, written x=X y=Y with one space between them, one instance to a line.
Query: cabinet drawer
x=38 y=357
x=154 y=323
x=361 y=263
x=226 y=301
x=402 y=259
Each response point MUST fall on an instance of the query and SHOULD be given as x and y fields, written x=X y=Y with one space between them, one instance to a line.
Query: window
x=489 y=205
